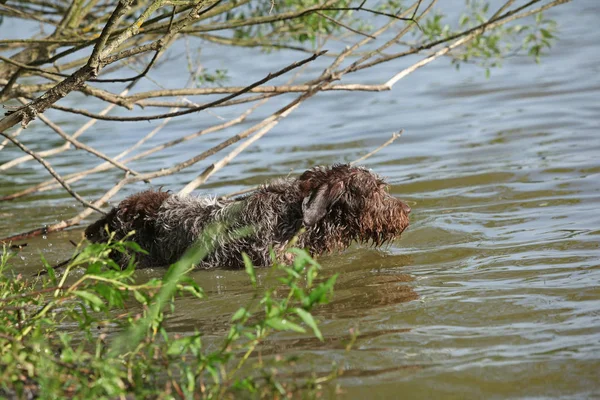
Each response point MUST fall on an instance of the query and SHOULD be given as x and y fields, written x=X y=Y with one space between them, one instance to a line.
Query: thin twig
x=150 y=103
x=65 y=146
x=216 y=102
x=395 y=136
x=70 y=178
x=14 y=134
x=52 y=172
x=234 y=89
x=376 y=12
x=103 y=167
x=98 y=59
x=80 y=145
x=335 y=21
x=266 y=124
x=65 y=224
x=489 y=24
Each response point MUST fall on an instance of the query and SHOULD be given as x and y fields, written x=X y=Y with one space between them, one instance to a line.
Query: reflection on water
x=492 y=291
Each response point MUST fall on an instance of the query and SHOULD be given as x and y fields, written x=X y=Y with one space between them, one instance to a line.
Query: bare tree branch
x=395 y=136
x=62 y=148
x=52 y=172
x=111 y=36
x=266 y=125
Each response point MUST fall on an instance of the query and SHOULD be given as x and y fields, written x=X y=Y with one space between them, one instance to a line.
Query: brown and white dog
x=336 y=205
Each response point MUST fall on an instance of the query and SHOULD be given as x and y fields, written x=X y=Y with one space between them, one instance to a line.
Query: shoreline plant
x=92 y=331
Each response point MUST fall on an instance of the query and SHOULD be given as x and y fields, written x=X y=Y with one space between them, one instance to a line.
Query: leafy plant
x=91 y=330
x=219 y=77
x=492 y=46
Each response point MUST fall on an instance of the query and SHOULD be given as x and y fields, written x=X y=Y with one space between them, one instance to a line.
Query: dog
x=336 y=206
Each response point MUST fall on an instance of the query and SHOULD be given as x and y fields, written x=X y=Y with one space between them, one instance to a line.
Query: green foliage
x=92 y=331
x=488 y=49
x=306 y=27
x=540 y=37
x=495 y=44
x=219 y=77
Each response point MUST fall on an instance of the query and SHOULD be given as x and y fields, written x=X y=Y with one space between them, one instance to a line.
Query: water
x=493 y=290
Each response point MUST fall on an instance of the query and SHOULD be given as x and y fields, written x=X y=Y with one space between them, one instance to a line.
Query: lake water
x=494 y=291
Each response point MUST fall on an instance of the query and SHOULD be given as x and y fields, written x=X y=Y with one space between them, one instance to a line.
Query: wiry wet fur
x=337 y=205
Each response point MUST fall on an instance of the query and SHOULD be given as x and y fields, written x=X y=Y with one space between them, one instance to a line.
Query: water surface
x=494 y=289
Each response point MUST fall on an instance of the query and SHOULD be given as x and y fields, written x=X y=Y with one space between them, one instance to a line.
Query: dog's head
x=353 y=200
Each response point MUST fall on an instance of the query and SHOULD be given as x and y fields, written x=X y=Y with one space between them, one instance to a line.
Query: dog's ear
x=317 y=203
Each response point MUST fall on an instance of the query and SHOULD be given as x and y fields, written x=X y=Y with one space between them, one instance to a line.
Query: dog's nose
x=405 y=207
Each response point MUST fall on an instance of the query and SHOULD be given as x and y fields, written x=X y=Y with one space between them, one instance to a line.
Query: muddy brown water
x=493 y=291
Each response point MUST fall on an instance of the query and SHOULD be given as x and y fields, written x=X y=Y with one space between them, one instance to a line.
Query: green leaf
x=310 y=321
x=93 y=300
x=112 y=294
x=187 y=284
x=233 y=334
x=140 y=297
x=546 y=33
x=539 y=17
x=213 y=373
x=302 y=257
x=318 y=294
x=50 y=270
x=179 y=346
x=249 y=269
x=135 y=247
x=242 y=312
x=282 y=324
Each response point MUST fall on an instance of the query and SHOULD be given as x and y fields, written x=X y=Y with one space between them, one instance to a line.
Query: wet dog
x=336 y=205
